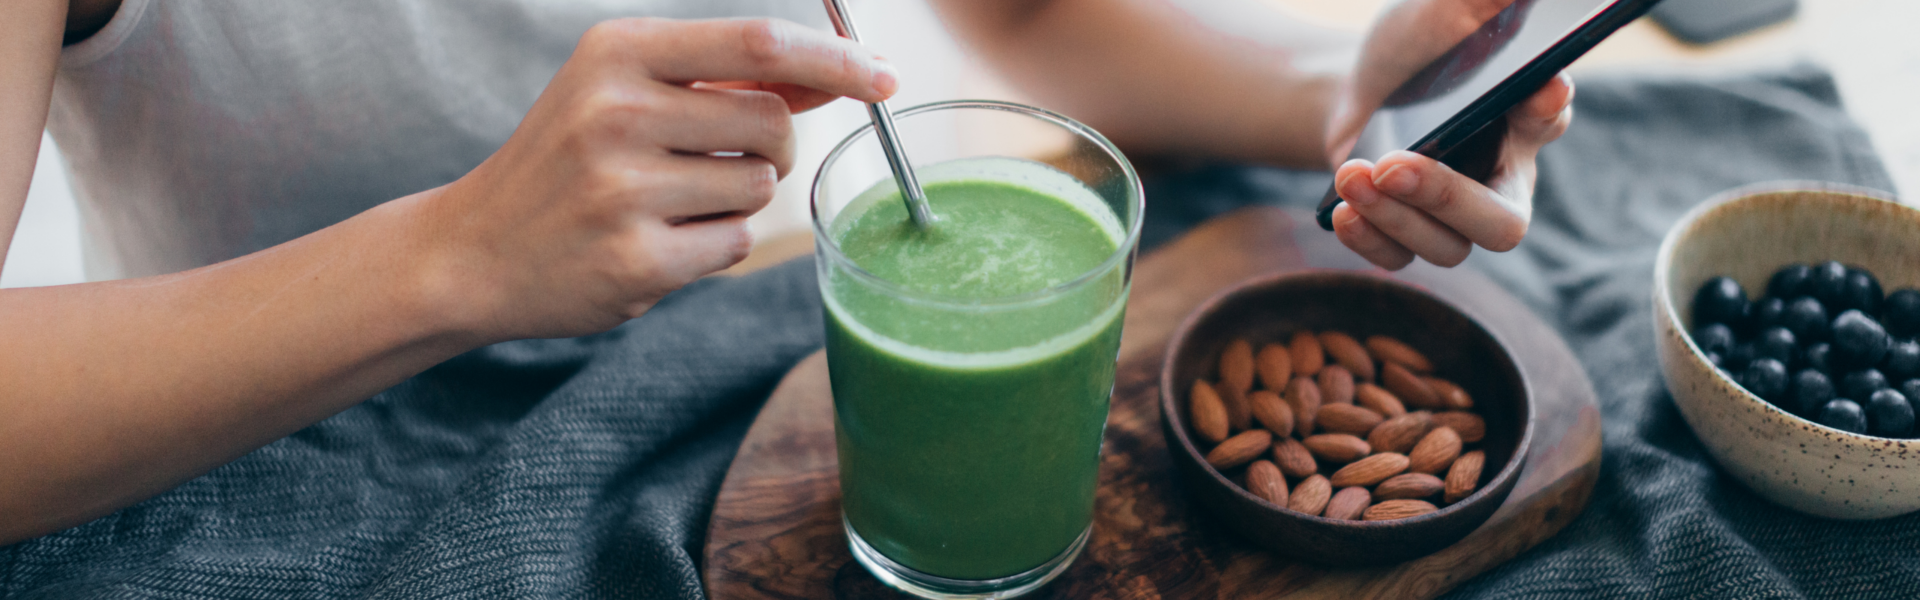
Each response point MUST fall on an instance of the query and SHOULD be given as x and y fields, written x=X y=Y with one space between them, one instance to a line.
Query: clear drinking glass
x=969 y=410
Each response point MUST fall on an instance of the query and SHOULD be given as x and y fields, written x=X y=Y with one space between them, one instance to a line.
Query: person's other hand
x=1410 y=205
x=634 y=172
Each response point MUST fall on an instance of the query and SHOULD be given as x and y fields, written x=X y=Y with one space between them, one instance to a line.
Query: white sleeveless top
x=198 y=131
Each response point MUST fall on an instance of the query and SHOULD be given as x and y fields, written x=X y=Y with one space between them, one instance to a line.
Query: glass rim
x=1135 y=189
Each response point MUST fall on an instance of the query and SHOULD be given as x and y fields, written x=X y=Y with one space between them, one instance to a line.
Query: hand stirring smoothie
x=969 y=440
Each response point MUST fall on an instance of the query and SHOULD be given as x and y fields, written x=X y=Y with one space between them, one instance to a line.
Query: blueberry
x=1806 y=318
x=1719 y=362
x=1826 y=282
x=1890 y=414
x=1862 y=383
x=1861 y=292
x=1776 y=343
x=1790 y=281
x=1902 y=361
x=1844 y=415
x=1815 y=357
x=1811 y=390
x=1910 y=389
x=1901 y=312
x=1713 y=338
x=1766 y=378
x=1720 y=300
x=1766 y=312
x=1858 y=341
x=1738 y=357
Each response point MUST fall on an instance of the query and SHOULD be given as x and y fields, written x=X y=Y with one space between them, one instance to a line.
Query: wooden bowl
x=1748 y=233
x=1270 y=308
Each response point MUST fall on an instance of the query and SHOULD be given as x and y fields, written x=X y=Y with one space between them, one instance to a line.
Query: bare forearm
x=29 y=53
x=1159 y=79
x=116 y=391
x=621 y=185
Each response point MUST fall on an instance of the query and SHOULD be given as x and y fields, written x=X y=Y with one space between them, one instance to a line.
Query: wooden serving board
x=776 y=529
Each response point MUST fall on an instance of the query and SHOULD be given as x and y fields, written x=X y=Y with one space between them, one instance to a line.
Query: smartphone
x=1453 y=109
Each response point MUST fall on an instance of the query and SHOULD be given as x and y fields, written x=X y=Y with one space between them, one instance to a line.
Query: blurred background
x=1869 y=45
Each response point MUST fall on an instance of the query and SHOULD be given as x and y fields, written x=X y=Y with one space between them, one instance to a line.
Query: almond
x=1272 y=412
x=1275 y=367
x=1470 y=426
x=1293 y=458
x=1408 y=387
x=1306 y=354
x=1349 y=503
x=1304 y=398
x=1239 y=449
x=1336 y=385
x=1408 y=486
x=1348 y=352
x=1452 y=396
x=1336 y=447
x=1397 y=509
x=1399 y=434
x=1209 y=416
x=1395 y=351
x=1236 y=367
x=1347 y=418
x=1379 y=400
x=1265 y=481
x=1311 y=495
x=1436 y=451
x=1464 y=477
x=1239 y=415
x=1370 y=470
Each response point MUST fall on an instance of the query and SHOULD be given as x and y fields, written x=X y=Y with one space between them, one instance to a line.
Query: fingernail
x=1352 y=196
x=886 y=80
x=1398 y=180
x=1348 y=219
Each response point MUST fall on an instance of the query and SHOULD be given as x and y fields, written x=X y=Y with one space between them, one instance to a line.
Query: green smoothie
x=968 y=425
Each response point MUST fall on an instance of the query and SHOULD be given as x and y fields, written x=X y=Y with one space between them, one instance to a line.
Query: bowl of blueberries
x=1787 y=318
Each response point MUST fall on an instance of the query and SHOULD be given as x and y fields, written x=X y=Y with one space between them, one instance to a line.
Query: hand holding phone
x=1438 y=77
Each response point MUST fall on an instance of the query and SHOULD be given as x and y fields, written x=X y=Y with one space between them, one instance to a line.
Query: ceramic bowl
x=1747 y=234
x=1270 y=308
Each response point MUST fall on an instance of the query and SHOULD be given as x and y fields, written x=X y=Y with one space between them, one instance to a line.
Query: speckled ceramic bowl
x=1748 y=233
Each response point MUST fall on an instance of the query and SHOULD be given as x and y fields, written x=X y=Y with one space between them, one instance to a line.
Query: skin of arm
x=1239 y=80
x=607 y=197
x=29 y=53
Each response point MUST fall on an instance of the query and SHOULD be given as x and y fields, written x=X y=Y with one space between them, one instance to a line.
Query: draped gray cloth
x=588 y=467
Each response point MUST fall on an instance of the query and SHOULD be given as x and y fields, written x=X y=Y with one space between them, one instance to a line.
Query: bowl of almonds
x=1342 y=418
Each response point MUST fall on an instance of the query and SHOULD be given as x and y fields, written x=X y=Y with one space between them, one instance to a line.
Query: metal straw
x=883 y=124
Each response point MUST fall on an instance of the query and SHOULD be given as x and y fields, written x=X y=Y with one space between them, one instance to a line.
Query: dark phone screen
x=1468 y=71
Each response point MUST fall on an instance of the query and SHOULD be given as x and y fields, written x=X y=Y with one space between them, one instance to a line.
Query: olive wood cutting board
x=776 y=529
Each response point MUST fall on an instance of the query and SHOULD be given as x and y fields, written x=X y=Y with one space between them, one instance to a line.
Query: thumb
x=1344 y=124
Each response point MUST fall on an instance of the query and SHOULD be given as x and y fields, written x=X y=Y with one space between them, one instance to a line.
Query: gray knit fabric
x=535 y=469
x=587 y=468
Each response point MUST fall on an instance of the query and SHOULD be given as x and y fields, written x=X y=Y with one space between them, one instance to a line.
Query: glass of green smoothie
x=972 y=360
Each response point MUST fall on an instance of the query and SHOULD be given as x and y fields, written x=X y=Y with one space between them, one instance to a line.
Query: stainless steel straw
x=883 y=124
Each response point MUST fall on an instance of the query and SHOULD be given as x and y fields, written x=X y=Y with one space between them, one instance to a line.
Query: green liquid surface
x=969 y=439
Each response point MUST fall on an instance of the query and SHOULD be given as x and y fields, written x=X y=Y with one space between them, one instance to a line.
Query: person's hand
x=634 y=172
x=1407 y=204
